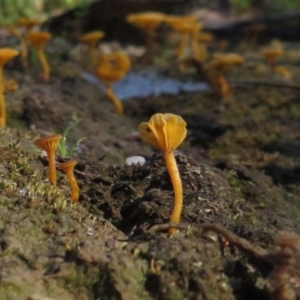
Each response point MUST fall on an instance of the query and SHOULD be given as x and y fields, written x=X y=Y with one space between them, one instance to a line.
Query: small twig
x=232 y=238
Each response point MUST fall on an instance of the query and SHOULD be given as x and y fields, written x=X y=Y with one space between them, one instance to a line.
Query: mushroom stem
x=51 y=166
x=2 y=101
x=73 y=184
x=24 y=52
x=223 y=86
x=177 y=186
x=45 y=65
x=114 y=99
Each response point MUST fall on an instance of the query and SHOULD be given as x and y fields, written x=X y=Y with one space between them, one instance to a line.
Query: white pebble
x=134 y=160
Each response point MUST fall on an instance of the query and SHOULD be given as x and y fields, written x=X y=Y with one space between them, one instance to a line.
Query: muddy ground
x=239 y=166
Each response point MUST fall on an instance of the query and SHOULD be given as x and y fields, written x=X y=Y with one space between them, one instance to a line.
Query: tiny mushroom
x=187 y=27
x=68 y=167
x=39 y=40
x=6 y=54
x=27 y=24
x=271 y=54
x=147 y=22
x=166 y=132
x=50 y=144
x=110 y=68
x=200 y=52
x=215 y=69
x=91 y=39
x=23 y=47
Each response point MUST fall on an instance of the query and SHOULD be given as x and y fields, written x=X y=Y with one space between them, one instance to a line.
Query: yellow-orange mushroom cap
x=271 y=54
x=112 y=67
x=50 y=144
x=39 y=39
x=204 y=37
x=91 y=38
x=28 y=23
x=147 y=21
x=184 y=25
x=68 y=165
x=221 y=61
x=7 y=54
x=164 y=131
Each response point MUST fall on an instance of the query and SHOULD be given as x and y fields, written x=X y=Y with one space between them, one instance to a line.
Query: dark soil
x=239 y=165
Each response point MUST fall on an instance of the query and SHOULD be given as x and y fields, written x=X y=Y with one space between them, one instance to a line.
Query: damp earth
x=239 y=166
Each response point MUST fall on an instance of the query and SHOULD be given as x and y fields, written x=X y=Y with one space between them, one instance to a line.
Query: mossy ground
x=239 y=167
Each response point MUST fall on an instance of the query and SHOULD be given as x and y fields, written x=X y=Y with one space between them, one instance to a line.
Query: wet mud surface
x=239 y=166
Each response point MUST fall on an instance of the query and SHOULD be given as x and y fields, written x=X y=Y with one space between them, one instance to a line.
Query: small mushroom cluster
x=49 y=144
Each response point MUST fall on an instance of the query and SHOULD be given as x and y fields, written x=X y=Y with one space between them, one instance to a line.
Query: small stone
x=134 y=160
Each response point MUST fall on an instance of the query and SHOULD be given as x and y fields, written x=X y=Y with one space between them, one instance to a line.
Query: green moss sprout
x=63 y=148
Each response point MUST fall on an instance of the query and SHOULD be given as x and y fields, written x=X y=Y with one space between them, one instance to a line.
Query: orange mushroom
x=14 y=31
x=166 y=132
x=39 y=40
x=215 y=69
x=68 y=167
x=27 y=24
x=6 y=54
x=187 y=28
x=147 y=22
x=110 y=68
x=203 y=39
x=91 y=39
x=270 y=55
x=50 y=144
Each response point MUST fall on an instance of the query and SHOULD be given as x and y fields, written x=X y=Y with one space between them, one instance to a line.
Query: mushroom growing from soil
x=200 y=52
x=270 y=55
x=14 y=31
x=147 y=22
x=6 y=54
x=187 y=28
x=68 y=167
x=27 y=25
x=39 y=40
x=91 y=39
x=110 y=68
x=215 y=69
x=166 y=132
x=50 y=144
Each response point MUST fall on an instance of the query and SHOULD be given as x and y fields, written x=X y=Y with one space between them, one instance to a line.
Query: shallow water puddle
x=147 y=83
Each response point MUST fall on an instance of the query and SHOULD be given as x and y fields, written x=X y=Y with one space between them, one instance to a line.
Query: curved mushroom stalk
x=39 y=40
x=6 y=54
x=110 y=68
x=166 y=132
x=91 y=39
x=68 y=167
